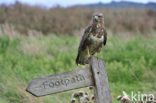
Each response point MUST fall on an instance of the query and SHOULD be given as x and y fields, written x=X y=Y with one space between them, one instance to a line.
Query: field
x=36 y=42
x=131 y=65
x=66 y=21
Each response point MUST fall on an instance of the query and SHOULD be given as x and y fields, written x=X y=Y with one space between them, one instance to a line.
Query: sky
x=66 y=3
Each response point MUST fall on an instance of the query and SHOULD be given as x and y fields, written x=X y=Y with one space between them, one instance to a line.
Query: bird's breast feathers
x=95 y=38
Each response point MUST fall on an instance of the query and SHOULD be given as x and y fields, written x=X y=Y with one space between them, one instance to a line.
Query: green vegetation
x=131 y=65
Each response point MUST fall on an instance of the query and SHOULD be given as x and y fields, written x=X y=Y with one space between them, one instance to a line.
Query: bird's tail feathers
x=82 y=60
x=77 y=60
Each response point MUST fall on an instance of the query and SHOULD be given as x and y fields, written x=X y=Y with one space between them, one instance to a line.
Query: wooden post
x=94 y=76
x=101 y=91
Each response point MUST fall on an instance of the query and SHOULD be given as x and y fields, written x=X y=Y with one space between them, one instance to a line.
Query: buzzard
x=94 y=37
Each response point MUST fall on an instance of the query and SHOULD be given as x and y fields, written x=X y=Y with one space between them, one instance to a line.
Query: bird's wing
x=105 y=37
x=84 y=37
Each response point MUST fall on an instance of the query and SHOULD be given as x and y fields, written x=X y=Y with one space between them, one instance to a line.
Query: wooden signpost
x=95 y=76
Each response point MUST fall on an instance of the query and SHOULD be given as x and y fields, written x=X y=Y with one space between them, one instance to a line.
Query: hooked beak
x=96 y=18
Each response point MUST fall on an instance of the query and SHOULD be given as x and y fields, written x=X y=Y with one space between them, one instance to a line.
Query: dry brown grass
x=68 y=20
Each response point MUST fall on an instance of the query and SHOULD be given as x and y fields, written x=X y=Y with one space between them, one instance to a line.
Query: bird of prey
x=94 y=37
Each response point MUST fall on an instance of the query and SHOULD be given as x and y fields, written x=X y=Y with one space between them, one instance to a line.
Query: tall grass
x=130 y=65
x=65 y=21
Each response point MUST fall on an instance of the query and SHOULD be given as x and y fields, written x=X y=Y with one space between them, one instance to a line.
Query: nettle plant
x=83 y=97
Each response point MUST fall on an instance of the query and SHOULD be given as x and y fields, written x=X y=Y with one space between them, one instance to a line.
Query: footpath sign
x=95 y=76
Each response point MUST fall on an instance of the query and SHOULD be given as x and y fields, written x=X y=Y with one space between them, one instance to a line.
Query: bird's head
x=97 y=17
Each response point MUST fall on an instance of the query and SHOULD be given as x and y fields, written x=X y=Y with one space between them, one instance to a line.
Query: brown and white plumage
x=92 y=40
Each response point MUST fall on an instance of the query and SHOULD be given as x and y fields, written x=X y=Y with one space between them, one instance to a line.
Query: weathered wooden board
x=101 y=91
x=61 y=82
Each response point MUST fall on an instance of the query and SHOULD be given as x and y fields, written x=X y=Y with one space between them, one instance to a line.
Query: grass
x=32 y=20
x=130 y=65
